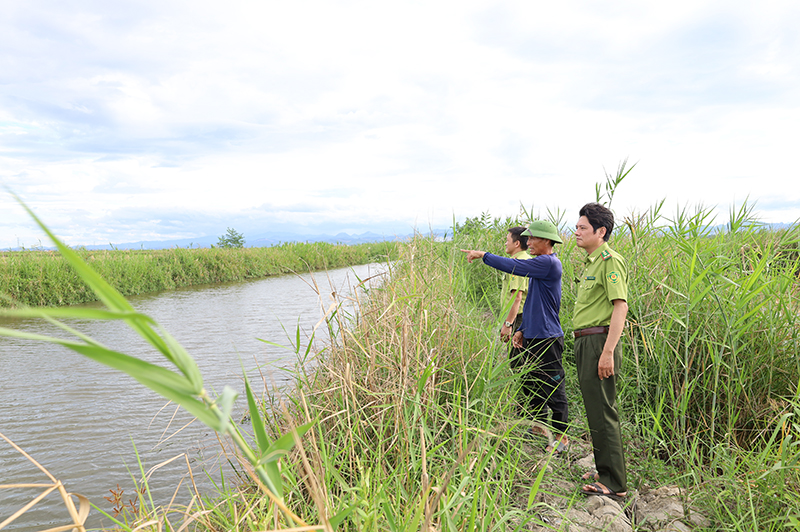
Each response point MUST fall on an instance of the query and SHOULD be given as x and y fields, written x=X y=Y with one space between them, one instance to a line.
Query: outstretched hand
x=517 y=340
x=473 y=254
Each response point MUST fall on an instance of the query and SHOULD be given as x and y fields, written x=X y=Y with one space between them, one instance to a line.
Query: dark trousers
x=542 y=380
x=600 y=400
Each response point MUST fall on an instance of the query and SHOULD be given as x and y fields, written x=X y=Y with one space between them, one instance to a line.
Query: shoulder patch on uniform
x=605 y=254
x=613 y=277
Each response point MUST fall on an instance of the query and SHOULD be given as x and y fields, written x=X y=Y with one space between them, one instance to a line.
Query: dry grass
x=77 y=516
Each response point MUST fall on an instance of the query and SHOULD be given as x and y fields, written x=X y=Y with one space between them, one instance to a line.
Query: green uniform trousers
x=600 y=400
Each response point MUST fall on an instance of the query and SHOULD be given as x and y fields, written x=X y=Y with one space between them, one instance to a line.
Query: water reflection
x=80 y=419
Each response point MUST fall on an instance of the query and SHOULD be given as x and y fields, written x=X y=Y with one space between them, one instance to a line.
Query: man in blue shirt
x=540 y=335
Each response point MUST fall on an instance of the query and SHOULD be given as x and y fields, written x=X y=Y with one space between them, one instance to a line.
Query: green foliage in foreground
x=182 y=385
x=44 y=278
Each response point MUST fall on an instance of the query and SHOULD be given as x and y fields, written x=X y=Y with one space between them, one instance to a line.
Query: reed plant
x=180 y=382
x=418 y=427
x=711 y=372
x=45 y=278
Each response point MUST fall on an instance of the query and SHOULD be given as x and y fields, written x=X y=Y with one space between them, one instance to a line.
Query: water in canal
x=81 y=420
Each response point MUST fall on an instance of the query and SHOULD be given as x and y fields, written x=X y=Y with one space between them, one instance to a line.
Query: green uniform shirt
x=605 y=279
x=514 y=282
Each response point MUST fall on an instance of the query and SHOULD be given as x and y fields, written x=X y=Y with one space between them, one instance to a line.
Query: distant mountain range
x=260 y=240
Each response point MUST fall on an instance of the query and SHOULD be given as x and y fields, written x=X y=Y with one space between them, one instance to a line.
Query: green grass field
x=44 y=278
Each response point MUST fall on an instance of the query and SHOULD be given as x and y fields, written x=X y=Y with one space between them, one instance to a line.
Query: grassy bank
x=43 y=278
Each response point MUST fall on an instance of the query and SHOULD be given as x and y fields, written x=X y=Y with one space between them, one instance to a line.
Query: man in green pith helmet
x=600 y=311
x=539 y=339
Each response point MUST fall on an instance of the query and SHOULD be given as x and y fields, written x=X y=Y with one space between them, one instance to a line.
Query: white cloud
x=373 y=113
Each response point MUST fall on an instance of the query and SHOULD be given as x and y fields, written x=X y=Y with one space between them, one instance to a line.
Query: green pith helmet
x=543 y=229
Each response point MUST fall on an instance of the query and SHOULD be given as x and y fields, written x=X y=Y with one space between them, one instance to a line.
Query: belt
x=590 y=330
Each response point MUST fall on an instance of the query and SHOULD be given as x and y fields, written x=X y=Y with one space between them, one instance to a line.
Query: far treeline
x=44 y=278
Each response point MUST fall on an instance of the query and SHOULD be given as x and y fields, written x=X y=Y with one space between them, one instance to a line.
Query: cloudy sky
x=145 y=120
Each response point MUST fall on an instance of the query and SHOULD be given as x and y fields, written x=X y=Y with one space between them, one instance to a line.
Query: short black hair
x=599 y=216
x=516 y=236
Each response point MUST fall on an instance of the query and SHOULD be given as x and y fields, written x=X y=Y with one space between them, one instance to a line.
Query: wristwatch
x=508 y=324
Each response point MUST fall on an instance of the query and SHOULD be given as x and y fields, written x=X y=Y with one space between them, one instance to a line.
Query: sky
x=154 y=120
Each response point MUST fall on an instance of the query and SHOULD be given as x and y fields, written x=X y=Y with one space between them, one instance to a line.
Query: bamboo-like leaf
x=268 y=462
x=284 y=444
x=537 y=483
x=423 y=378
x=388 y=513
x=138 y=369
x=225 y=404
x=255 y=419
x=76 y=333
x=193 y=405
x=183 y=361
x=698 y=298
x=104 y=291
x=107 y=294
x=272 y=343
x=160 y=380
x=337 y=519
x=275 y=481
x=662 y=285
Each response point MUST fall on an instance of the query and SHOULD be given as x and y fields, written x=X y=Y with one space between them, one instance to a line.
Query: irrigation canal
x=81 y=420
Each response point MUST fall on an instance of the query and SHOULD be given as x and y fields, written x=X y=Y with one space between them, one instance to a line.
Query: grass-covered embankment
x=416 y=426
x=44 y=278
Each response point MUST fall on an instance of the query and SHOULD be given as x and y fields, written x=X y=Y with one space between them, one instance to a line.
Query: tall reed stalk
x=417 y=422
x=711 y=370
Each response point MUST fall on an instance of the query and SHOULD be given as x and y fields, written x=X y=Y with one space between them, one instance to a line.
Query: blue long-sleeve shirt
x=540 y=314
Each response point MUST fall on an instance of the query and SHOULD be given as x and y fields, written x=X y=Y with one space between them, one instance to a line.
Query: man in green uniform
x=515 y=287
x=600 y=310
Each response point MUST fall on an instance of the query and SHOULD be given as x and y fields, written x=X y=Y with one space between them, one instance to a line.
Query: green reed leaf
x=142 y=371
x=194 y=406
x=104 y=291
x=255 y=419
x=225 y=404
x=138 y=369
x=272 y=343
x=284 y=444
x=337 y=519
x=275 y=483
x=86 y=338
x=183 y=360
